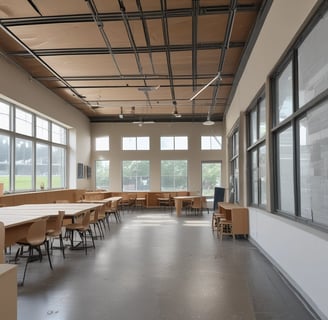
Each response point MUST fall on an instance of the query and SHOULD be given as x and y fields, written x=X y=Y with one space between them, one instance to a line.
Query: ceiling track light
x=208 y=121
x=175 y=112
x=121 y=116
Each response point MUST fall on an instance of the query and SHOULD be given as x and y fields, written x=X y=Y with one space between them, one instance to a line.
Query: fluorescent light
x=202 y=89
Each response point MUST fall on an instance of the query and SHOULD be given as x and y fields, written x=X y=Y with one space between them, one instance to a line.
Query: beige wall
x=17 y=86
x=155 y=131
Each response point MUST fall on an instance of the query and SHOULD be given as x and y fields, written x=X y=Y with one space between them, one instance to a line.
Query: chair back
x=36 y=234
x=197 y=203
x=62 y=201
x=114 y=205
x=2 y=243
x=86 y=219
x=59 y=221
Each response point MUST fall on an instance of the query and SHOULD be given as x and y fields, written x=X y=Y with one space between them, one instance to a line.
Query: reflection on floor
x=155 y=266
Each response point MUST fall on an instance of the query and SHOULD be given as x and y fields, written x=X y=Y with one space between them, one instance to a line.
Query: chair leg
x=46 y=244
x=62 y=245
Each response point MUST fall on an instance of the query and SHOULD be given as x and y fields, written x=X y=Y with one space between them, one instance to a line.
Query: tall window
x=211 y=177
x=135 y=143
x=174 y=143
x=257 y=152
x=135 y=175
x=234 y=167
x=211 y=143
x=102 y=174
x=301 y=142
x=174 y=175
x=32 y=150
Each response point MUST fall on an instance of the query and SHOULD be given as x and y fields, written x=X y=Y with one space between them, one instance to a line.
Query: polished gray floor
x=157 y=266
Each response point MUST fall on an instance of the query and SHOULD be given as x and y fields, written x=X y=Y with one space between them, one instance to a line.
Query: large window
x=32 y=150
x=135 y=175
x=234 y=167
x=102 y=174
x=211 y=177
x=174 y=175
x=301 y=141
x=135 y=143
x=174 y=143
x=257 y=152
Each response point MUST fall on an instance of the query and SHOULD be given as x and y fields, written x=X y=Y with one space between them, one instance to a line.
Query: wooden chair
x=83 y=229
x=56 y=232
x=196 y=206
x=113 y=210
x=36 y=236
x=95 y=222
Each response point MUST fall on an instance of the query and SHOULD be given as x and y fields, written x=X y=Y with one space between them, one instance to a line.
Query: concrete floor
x=157 y=266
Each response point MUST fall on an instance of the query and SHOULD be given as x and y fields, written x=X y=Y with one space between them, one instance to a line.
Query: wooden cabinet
x=8 y=292
x=238 y=217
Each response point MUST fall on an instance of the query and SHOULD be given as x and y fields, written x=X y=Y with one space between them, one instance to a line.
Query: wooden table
x=17 y=219
x=179 y=200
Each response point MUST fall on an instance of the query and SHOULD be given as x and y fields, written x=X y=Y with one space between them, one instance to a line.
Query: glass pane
x=102 y=174
x=313 y=63
x=42 y=128
x=142 y=143
x=58 y=134
x=58 y=168
x=285 y=94
x=167 y=143
x=23 y=122
x=254 y=177
x=181 y=143
x=313 y=135
x=285 y=159
x=23 y=165
x=211 y=143
x=129 y=143
x=42 y=166
x=136 y=175
x=262 y=175
x=102 y=144
x=174 y=175
x=5 y=161
x=4 y=115
x=253 y=126
x=211 y=177
x=262 y=119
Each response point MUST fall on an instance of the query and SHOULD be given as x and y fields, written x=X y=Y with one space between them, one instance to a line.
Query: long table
x=17 y=219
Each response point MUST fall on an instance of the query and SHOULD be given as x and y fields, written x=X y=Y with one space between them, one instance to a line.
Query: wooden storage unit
x=8 y=291
x=15 y=199
x=238 y=216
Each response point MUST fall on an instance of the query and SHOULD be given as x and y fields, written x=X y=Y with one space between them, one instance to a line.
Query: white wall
x=194 y=156
x=299 y=252
x=20 y=88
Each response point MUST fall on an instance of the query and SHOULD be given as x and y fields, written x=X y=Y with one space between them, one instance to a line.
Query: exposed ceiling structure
x=134 y=60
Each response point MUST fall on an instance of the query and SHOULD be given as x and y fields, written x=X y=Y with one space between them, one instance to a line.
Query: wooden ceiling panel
x=82 y=65
x=181 y=62
x=232 y=59
x=212 y=28
x=66 y=35
x=61 y=7
x=155 y=32
x=242 y=28
x=16 y=9
x=208 y=61
x=62 y=46
x=180 y=30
